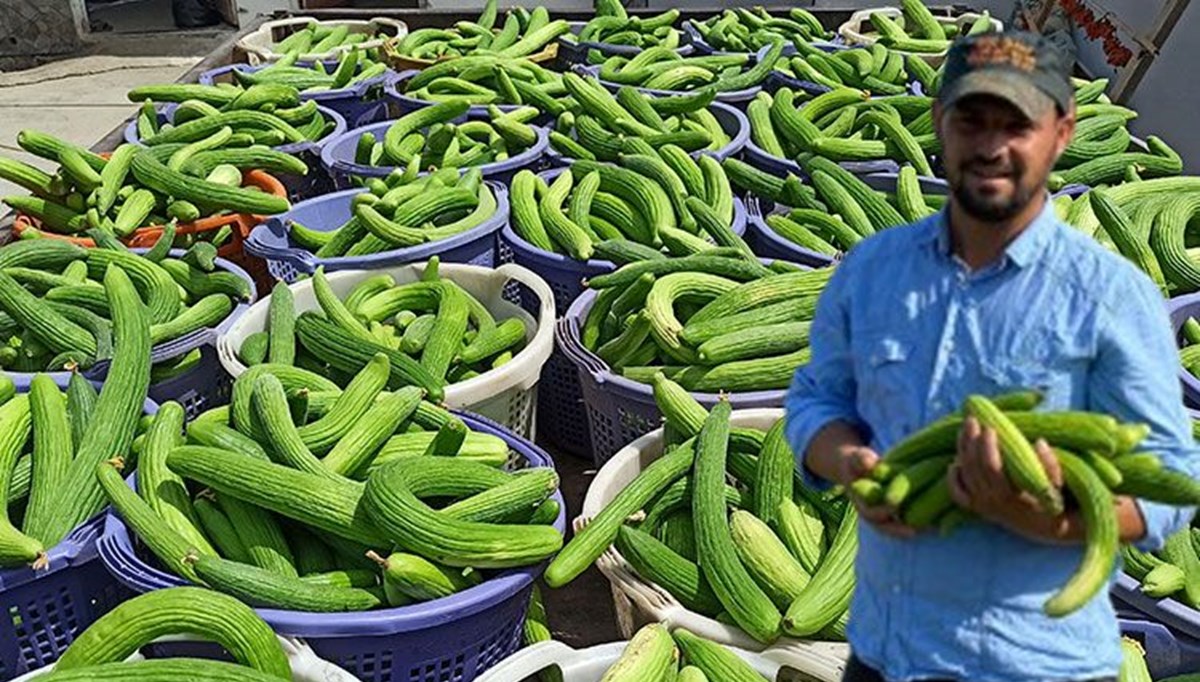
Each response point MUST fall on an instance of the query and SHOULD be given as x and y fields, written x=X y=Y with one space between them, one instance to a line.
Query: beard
x=991 y=208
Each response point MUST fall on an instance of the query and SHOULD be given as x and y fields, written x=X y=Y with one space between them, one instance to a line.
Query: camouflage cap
x=1022 y=68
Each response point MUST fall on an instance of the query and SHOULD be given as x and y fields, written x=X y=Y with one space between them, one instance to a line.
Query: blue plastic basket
x=286 y=261
x=1168 y=653
x=338 y=157
x=359 y=104
x=314 y=183
x=49 y=607
x=453 y=639
x=1181 y=308
x=574 y=52
x=733 y=122
x=767 y=243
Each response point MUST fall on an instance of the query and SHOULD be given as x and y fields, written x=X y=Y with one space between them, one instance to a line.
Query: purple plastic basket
x=194 y=386
x=298 y=186
x=733 y=122
x=574 y=52
x=48 y=608
x=767 y=243
x=286 y=261
x=1168 y=653
x=1181 y=308
x=453 y=639
x=562 y=415
x=620 y=410
x=359 y=104
x=338 y=157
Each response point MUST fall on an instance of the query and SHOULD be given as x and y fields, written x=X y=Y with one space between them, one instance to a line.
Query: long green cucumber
x=161 y=488
x=260 y=587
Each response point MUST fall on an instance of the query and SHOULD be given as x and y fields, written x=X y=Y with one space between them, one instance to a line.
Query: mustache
x=992 y=165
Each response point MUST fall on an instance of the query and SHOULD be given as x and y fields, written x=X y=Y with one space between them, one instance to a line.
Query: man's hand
x=856 y=463
x=979 y=484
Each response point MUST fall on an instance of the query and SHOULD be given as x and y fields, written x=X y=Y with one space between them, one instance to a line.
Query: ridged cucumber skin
x=445 y=339
x=1075 y=431
x=208 y=312
x=657 y=563
x=347 y=353
x=163 y=670
x=162 y=489
x=827 y=595
x=745 y=602
x=803 y=533
x=763 y=341
x=357 y=447
x=1155 y=482
x=589 y=543
x=650 y=655
x=321 y=435
x=327 y=505
x=216 y=527
x=478 y=447
x=218 y=435
x=408 y=578
x=292 y=378
x=717 y=662
x=911 y=480
x=15 y=424
x=156 y=286
x=167 y=545
x=55 y=331
x=392 y=503
x=178 y=610
x=260 y=587
x=1021 y=461
x=774 y=476
x=155 y=175
x=274 y=420
x=515 y=496
x=52 y=451
x=118 y=409
x=1102 y=543
x=261 y=534
x=281 y=326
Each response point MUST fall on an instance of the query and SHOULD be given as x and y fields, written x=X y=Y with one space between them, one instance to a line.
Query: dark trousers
x=857 y=671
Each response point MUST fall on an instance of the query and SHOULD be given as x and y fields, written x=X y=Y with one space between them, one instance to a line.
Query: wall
x=33 y=28
x=1167 y=99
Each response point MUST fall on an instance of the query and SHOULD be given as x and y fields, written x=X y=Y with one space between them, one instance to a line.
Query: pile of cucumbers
x=403 y=210
x=594 y=124
x=352 y=67
x=631 y=211
x=369 y=460
x=780 y=563
x=746 y=29
x=220 y=116
x=655 y=653
x=916 y=30
x=524 y=33
x=107 y=198
x=1099 y=458
x=50 y=488
x=663 y=69
x=845 y=124
x=714 y=322
x=429 y=333
x=612 y=25
x=317 y=38
x=485 y=80
x=434 y=137
x=56 y=311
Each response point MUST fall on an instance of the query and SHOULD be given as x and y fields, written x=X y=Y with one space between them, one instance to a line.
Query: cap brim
x=1011 y=87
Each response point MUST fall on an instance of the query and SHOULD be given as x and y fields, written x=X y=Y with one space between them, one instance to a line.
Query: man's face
x=997 y=160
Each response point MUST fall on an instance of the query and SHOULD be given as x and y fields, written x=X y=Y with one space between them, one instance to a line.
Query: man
x=991 y=295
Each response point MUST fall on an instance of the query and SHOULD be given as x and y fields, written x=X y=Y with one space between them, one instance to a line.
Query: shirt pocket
x=1055 y=382
x=887 y=397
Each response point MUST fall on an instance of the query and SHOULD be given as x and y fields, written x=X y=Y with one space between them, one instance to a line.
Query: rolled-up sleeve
x=824 y=390
x=1135 y=379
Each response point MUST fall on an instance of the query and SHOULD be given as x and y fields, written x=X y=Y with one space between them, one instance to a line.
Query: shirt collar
x=1026 y=249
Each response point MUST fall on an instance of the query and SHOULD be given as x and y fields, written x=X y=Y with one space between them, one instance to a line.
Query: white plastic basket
x=306 y=665
x=859 y=30
x=639 y=602
x=257 y=44
x=507 y=394
x=589 y=665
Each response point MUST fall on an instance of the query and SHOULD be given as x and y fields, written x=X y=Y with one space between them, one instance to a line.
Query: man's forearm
x=826 y=450
x=1069 y=529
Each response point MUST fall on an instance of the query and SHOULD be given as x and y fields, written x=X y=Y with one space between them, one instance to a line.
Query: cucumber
x=259 y=587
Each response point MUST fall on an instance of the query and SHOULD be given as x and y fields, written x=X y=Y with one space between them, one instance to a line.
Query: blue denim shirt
x=903 y=333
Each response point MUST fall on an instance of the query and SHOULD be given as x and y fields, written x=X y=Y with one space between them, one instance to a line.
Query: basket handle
x=546 y=312
x=528 y=661
x=806 y=658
